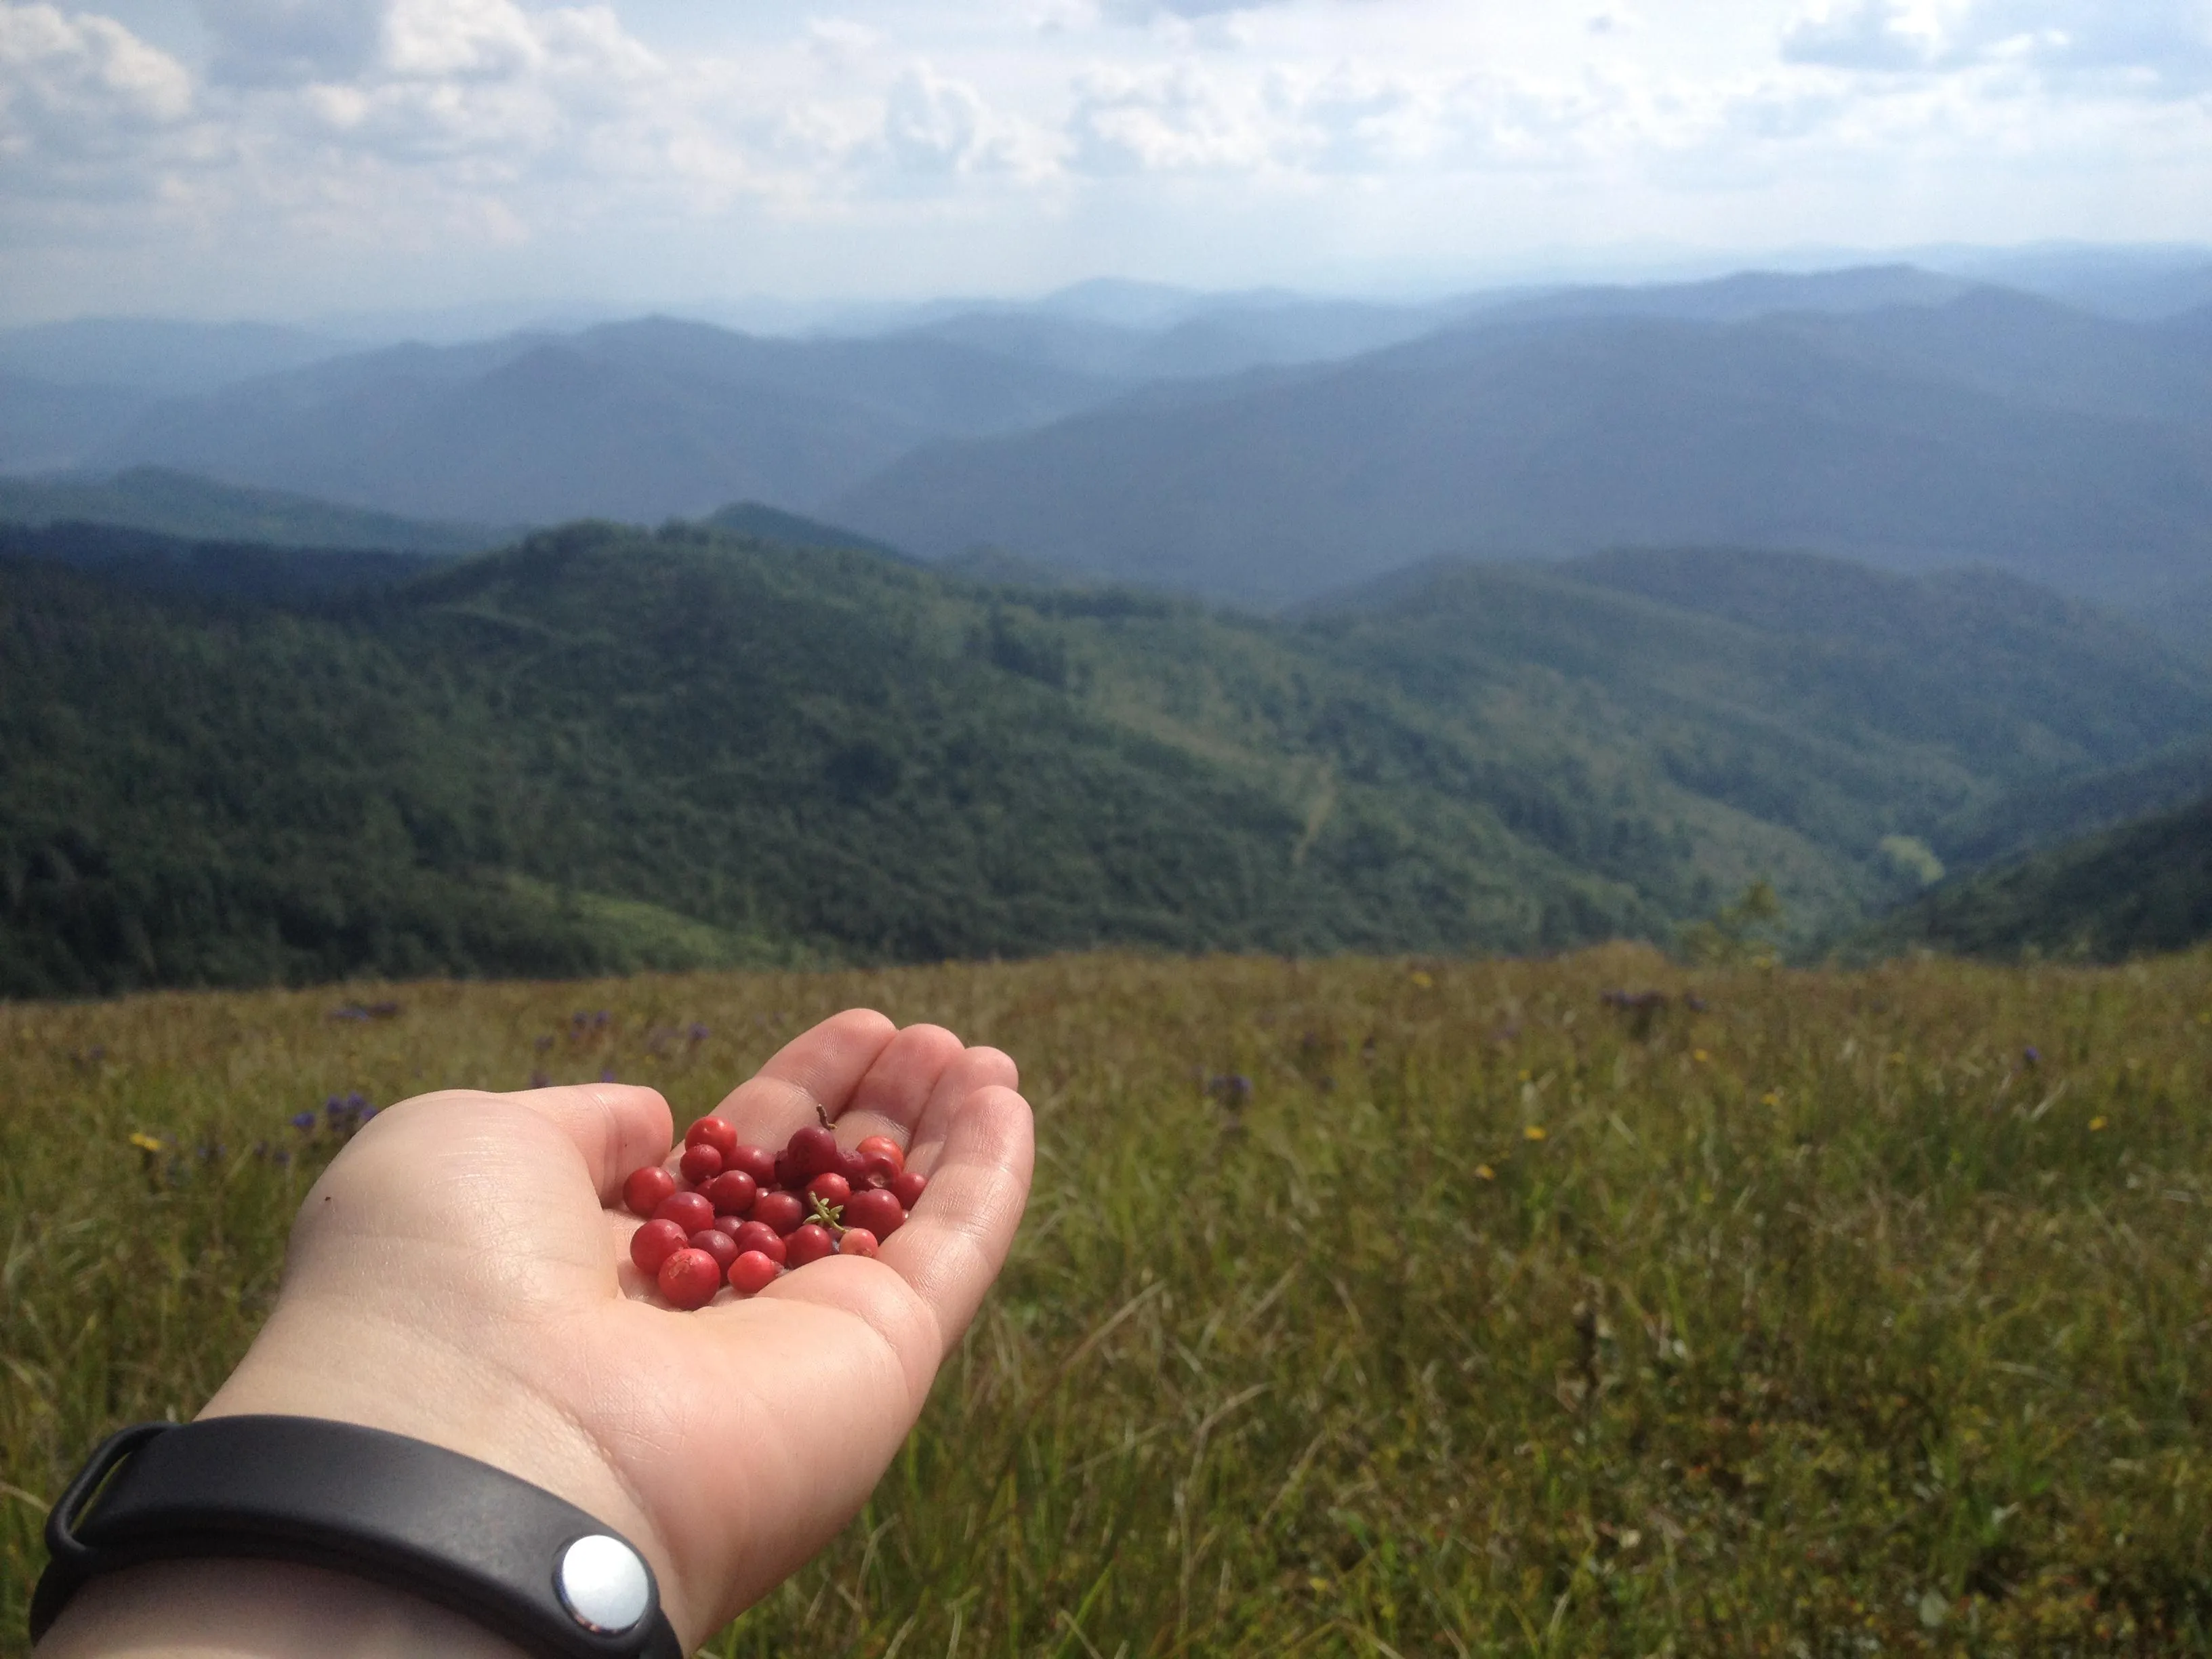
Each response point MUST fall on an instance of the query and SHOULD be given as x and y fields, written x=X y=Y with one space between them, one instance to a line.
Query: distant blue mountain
x=1990 y=428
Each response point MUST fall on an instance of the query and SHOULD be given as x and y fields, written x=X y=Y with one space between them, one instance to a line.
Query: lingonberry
x=788 y=1178
x=830 y=1189
x=754 y=1272
x=645 y=1188
x=856 y=1241
x=781 y=1210
x=853 y=1166
x=701 y=1163
x=731 y=1193
x=714 y=1132
x=718 y=1244
x=812 y=1150
x=689 y=1278
x=756 y=1235
x=654 y=1242
x=757 y=1161
x=874 y=1211
x=807 y=1244
x=884 y=1145
x=907 y=1188
x=688 y=1211
x=875 y=1171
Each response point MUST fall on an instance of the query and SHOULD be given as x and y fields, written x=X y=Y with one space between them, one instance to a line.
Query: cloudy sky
x=292 y=157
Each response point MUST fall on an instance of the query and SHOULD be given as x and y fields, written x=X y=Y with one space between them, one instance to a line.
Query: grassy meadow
x=1365 y=1307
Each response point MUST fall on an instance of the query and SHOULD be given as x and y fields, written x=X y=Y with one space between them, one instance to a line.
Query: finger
x=890 y=1099
x=820 y=1068
x=958 y=1239
x=976 y=1070
x=616 y=1127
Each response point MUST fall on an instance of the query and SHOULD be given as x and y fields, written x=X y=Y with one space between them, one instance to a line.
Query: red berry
x=808 y=1243
x=812 y=1150
x=788 y=1178
x=713 y=1132
x=757 y=1161
x=830 y=1189
x=756 y=1236
x=781 y=1210
x=856 y=1241
x=731 y=1193
x=688 y=1211
x=754 y=1272
x=875 y=1171
x=907 y=1188
x=874 y=1211
x=646 y=1188
x=853 y=1166
x=718 y=1244
x=728 y=1223
x=654 y=1243
x=689 y=1278
x=889 y=1148
x=701 y=1165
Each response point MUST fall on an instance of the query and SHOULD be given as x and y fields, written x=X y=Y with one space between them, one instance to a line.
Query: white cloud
x=274 y=42
x=422 y=129
x=934 y=125
x=2159 y=46
x=1174 y=119
x=1144 y=11
x=80 y=97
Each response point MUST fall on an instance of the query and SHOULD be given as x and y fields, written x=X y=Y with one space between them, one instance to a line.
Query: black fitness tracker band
x=525 y=1565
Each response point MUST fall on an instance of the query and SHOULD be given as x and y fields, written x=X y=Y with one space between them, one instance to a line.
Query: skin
x=457 y=1275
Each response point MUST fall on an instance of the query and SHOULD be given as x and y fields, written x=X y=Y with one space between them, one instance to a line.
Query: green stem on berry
x=826 y=1214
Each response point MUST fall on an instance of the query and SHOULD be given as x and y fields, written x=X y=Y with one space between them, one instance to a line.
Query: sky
x=296 y=158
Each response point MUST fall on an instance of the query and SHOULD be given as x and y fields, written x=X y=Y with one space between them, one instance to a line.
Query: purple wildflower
x=2032 y=1054
x=303 y=1121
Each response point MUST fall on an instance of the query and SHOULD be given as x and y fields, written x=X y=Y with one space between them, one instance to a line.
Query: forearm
x=258 y=1610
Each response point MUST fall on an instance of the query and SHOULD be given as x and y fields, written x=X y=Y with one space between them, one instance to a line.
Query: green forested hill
x=605 y=748
x=2143 y=887
x=163 y=502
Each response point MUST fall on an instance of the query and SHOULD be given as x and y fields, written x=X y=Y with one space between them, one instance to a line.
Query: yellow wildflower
x=2095 y=1124
x=144 y=1142
x=1534 y=1132
x=1422 y=980
x=1484 y=1172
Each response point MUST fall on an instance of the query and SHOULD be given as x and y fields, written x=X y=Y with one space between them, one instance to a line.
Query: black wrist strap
x=528 y=1565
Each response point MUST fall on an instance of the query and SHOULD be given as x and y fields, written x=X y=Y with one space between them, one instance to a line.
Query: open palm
x=457 y=1275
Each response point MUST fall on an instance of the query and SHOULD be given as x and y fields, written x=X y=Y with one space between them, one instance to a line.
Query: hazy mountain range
x=1262 y=447
x=1984 y=430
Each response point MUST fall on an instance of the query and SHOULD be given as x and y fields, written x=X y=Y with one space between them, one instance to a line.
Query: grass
x=1801 y=1313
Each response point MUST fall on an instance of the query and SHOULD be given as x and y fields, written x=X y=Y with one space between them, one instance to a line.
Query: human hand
x=456 y=1275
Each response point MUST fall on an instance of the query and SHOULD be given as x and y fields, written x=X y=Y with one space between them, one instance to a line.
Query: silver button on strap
x=602 y=1585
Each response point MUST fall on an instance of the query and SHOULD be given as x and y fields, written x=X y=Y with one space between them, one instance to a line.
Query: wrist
x=224 y=1609
x=406 y=1385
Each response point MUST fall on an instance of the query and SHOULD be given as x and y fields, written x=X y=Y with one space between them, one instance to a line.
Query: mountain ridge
x=604 y=745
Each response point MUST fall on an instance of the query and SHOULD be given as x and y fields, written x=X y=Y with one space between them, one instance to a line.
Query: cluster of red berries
x=743 y=1214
